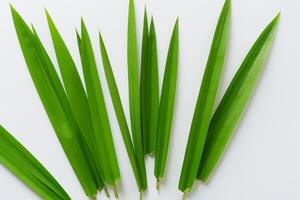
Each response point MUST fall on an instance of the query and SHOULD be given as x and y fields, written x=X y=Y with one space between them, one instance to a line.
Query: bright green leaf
x=235 y=100
x=55 y=102
x=99 y=116
x=115 y=97
x=134 y=90
x=166 y=106
x=28 y=169
x=206 y=101
x=149 y=87
x=77 y=98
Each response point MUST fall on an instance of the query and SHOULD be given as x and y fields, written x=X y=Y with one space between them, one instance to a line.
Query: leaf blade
x=143 y=86
x=205 y=102
x=166 y=107
x=77 y=97
x=27 y=168
x=119 y=111
x=149 y=88
x=235 y=100
x=98 y=110
x=67 y=134
x=133 y=86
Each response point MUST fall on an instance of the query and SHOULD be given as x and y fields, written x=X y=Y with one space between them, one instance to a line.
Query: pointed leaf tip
x=11 y=6
x=12 y=9
x=47 y=15
x=100 y=36
x=152 y=21
x=277 y=17
x=82 y=24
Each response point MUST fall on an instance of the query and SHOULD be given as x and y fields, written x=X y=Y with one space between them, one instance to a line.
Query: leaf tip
x=13 y=11
x=11 y=6
x=101 y=40
x=227 y=7
x=145 y=11
x=276 y=20
x=47 y=14
x=176 y=26
x=77 y=33
x=100 y=35
x=277 y=17
x=152 y=26
x=83 y=26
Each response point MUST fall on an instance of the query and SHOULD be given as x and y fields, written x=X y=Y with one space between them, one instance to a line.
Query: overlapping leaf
x=134 y=91
x=80 y=119
x=55 y=102
x=235 y=100
x=205 y=102
x=115 y=97
x=28 y=169
x=77 y=98
x=99 y=116
x=166 y=106
x=149 y=87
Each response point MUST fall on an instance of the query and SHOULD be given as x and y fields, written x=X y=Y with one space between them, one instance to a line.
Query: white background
x=262 y=161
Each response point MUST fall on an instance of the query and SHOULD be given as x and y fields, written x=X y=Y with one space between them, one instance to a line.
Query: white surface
x=262 y=161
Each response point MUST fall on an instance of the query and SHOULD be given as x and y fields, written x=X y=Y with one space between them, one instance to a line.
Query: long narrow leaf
x=206 y=101
x=98 y=110
x=166 y=107
x=115 y=97
x=76 y=96
x=149 y=88
x=134 y=89
x=143 y=85
x=235 y=100
x=54 y=101
x=27 y=168
x=91 y=156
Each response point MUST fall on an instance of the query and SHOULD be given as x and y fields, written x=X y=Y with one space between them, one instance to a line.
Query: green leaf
x=134 y=89
x=55 y=102
x=77 y=98
x=206 y=101
x=99 y=116
x=235 y=100
x=115 y=97
x=28 y=169
x=166 y=107
x=149 y=88
x=78 y=41
x=143 y=86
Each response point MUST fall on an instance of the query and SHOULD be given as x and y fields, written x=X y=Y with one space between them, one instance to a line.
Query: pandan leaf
x=55 y=102
x=149 y=87
x=115 y=97
x=134 y=91
x=143 y=83
x=28 y=169
x=77 y=97
x=91 y=161
x=166 y=106
x=52 y=74
x=78 y=37
x=206 y=101
x=235 y=100
x=99 y=116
